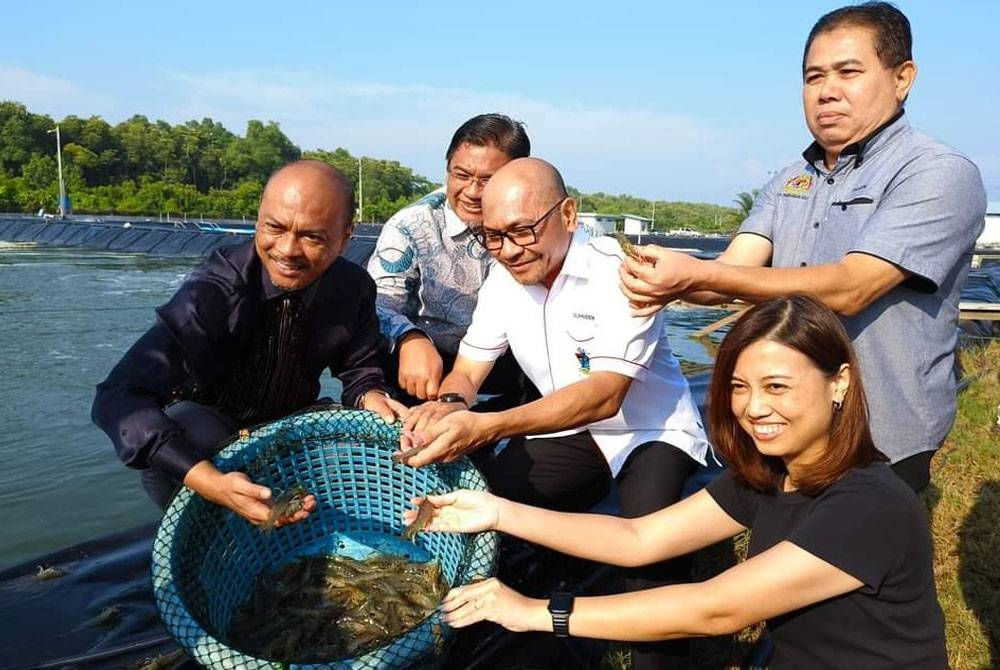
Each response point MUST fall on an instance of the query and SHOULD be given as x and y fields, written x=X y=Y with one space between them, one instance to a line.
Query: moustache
x=291 y=262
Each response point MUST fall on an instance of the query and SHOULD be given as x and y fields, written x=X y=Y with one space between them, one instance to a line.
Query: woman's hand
x=491 y=600
x=461 y=511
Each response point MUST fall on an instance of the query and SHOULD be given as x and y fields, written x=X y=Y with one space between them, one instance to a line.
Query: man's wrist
x=361 y=399
x=453 y=398
x=411 y=334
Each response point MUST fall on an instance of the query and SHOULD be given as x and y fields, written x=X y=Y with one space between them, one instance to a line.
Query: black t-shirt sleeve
x=736 y=500
x=859 y=527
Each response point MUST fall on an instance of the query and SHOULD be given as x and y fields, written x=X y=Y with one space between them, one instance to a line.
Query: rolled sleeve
x=761 y=219
x=486 y=339
x=928 y=219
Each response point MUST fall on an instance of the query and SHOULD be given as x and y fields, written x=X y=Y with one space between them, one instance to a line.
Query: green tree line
x=196 y=169
x=199 y=169
x=703 y=217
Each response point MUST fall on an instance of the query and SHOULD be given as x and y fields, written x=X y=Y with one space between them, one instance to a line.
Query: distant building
x=600 y=223
x=630 y=224
x=636 y=225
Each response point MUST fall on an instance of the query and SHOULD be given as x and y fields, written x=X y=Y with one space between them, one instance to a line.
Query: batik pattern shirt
x=428 y=269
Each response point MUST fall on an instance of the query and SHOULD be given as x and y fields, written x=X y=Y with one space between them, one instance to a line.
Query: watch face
x=561 y=603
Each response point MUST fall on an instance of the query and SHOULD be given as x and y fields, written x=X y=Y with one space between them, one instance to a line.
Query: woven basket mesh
x=206 y=558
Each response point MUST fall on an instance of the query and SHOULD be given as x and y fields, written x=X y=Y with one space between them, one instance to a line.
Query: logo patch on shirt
x=798 y=186
x=584 y=358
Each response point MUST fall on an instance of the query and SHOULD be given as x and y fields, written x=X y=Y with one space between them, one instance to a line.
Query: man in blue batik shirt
x=428 y=268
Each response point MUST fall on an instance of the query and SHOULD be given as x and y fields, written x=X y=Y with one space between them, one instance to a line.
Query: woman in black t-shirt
x=839 y=561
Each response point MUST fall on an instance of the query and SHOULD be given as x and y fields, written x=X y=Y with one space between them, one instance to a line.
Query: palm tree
x=744 y=202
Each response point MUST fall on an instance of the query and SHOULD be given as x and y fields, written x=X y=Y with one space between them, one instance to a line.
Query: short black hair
x=495 y=130
x=891 y=28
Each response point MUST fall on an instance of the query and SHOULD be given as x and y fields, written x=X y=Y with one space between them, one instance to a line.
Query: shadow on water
x=979 y=565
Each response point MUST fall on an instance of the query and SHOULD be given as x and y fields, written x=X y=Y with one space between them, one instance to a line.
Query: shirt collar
x=861 y=149
x=269 y=291
x=576 y=261
x=453 y=225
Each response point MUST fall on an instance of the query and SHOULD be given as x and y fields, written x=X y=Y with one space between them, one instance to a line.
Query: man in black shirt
x=245 y=340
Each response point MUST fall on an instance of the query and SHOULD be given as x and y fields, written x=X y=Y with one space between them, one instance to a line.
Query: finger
x=253 y=511
x=648 y=309
x=442 y=499
x=420 y=387
x=244 y=487
x=288 y=520
x=464 y=616
x=421 y=456
x=432 y=387
x=631 y=294
x=410 y=384
x=422 y=423
x=399 y=408
x=414 y=416
x=386 y=413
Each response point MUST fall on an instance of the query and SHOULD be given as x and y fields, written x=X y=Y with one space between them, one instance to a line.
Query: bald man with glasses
x=614 y=403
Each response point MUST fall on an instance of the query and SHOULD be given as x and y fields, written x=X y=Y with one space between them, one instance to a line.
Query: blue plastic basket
x=205 y=558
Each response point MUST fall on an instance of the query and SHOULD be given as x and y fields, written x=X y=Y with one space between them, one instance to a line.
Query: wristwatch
x=560 y=607
x=452 y=397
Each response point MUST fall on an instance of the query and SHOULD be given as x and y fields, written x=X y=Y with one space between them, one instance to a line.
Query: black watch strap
x=452 y=397
x=560 y=607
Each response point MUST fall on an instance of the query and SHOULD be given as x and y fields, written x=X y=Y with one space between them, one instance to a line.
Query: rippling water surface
x=67 y=317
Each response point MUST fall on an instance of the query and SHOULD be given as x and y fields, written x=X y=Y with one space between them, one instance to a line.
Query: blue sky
x=674 y=101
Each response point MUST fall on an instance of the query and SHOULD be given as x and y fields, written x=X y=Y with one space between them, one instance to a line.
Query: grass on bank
x=964 y=505
x=963 y=501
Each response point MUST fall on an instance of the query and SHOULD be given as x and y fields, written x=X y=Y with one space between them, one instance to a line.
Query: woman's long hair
x=801 y=323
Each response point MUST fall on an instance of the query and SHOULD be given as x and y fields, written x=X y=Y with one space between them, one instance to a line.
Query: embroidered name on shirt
x=798 y=186
x=588 y=317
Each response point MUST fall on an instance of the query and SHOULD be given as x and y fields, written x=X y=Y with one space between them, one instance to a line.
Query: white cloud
x=644 y=152
x=44 y=94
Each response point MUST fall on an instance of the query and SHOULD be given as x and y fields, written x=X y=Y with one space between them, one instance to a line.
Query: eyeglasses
x=522 y=236
x=465 y=179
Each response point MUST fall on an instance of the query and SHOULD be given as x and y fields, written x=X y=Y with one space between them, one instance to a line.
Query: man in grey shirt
x=428 y=268
x=878 y=221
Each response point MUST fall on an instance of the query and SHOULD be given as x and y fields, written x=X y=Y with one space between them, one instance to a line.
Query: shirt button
x=802 y=264
x=816 y=224
x=829 y=180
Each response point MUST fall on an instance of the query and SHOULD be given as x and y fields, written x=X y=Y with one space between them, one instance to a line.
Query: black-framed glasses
x=522 y=236
x=465 y=179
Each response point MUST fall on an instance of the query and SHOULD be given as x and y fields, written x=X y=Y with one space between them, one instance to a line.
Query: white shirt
x=581 y=325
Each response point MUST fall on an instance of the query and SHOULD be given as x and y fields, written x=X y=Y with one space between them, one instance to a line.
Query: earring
x=837 y=405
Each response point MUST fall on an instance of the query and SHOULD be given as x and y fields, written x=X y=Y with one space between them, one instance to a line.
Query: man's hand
x=442 y=434
x=387 y=408
x=235 y=491
x=660 y=277
x=420 y=417
x=420 y=366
